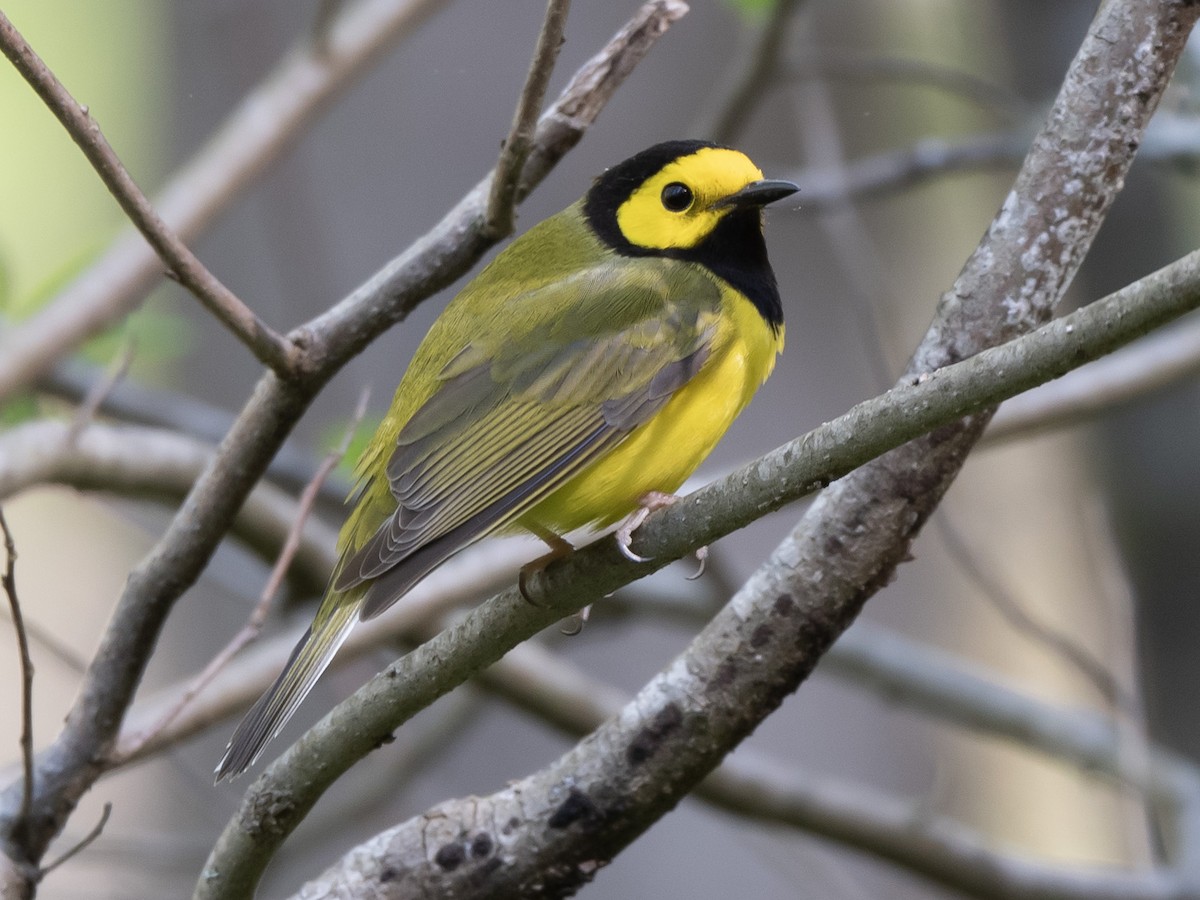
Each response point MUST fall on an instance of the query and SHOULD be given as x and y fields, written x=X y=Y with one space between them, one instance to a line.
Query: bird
x=582 y=376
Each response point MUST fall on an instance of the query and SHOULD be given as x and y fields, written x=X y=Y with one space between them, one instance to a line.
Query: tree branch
x=475 y=573
x=1153 y=362
x=264 y=126
x=270 y=347
x=9 y=581
x=83 y=843
x=150 y=463
x=754 y=68
x=892 y=171
x=501 y=208
x=1170 y=141
x=858 y=816
x=174 y=411
x=258 y=615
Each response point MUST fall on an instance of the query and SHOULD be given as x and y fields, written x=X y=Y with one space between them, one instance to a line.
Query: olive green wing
x=512 y=420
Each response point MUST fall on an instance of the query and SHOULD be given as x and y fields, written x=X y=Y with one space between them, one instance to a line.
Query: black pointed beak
x=759 y=193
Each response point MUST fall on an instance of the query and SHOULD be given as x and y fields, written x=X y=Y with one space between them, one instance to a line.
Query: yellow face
x=679 y=206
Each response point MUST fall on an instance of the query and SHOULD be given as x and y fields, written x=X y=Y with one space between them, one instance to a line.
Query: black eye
x=677 y=197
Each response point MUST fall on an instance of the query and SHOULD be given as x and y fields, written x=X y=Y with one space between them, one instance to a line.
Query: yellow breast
x=663 y=452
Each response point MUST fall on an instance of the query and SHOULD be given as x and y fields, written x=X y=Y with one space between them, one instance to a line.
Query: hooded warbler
x=596 y=362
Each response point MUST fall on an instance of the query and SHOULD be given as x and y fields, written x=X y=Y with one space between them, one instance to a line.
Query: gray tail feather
x=273 y=709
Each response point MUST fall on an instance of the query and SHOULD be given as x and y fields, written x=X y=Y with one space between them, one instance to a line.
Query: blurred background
x=1090 y=530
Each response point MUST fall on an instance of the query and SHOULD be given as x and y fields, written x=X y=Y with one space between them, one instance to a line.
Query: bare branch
x=270 y=347
x=894 y=170
x=501 y=208
x=9 y=580
x=258 y=615
x=1153 y=362
x=154 y=464
x=1170 y=141
x=943 y=850
x=935 y=683
x=143 y=404
x=755 y=66
x=446 y=251
x=88 y=839
x=266 y=124
x=461 y=581
x=908 y=834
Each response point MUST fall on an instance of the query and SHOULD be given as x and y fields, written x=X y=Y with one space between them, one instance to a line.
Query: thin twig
x=99 y=391
x=250 y=631
x=267 y=345
x=87 y=839
x=9 y=580
x=326 y=14
x=143 y=404
x=52 y=644
x=1153 y=362
x=502 y=198
x=757 y=64
x=1063 y=645
x=848 y=65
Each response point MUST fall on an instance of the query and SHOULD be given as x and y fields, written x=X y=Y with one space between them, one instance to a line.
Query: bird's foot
x=559 y=548
x=647 y=503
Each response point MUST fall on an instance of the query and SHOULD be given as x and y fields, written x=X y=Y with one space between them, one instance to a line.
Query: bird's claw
x=625 y=535
x=701 y=558
x=647 y=503
x=577 y=622
x=558 y=549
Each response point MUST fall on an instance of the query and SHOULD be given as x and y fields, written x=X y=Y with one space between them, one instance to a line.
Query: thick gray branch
x=867 y=819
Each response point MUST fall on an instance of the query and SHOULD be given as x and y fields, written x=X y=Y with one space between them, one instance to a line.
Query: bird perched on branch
x=580 y=376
